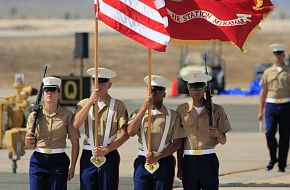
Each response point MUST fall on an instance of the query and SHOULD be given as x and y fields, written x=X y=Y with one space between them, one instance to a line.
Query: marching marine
x=112 y=133
x=275 y=99
x=49 y=164
x=166 y=139
x=198 y=164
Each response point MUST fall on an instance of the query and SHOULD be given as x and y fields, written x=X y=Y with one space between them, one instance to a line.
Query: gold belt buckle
x=47 y=150
x=279 y=100
x=197 y=152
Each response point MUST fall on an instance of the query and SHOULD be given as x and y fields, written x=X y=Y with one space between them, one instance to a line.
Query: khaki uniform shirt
x=277 y=84
x=196 y=126
x=119 y=119
x=158 y=126
x=53 y=129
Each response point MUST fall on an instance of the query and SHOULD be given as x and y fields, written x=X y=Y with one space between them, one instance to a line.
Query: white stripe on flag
x=165 y=21
x=159 y=3
x=144 y=9
x=133 y=25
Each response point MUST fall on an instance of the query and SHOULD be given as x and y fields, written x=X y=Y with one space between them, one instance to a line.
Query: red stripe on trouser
x=118 y=173
x=174 y=160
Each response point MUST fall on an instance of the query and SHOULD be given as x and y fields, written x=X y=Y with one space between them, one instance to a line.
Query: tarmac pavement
x=242 y=166
x=242 y=159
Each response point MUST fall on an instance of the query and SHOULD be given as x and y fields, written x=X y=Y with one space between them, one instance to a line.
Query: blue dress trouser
x=104 y=178
x=161 y=179
x=200 y=172
x=278 y=114
x=48 y=171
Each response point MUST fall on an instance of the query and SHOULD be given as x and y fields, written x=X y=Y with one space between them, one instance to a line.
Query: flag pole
x=149 y=95
x=97 y=161
x=96 y=61
x=150 y=167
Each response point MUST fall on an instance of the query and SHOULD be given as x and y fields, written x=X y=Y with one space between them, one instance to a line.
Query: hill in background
x=26 y=45
x=69 y=9
x=72 y=9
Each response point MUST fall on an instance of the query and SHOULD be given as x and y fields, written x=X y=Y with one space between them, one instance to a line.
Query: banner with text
x=224 y=20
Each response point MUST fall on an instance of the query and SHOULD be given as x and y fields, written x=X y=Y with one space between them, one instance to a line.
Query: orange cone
x=174 y=88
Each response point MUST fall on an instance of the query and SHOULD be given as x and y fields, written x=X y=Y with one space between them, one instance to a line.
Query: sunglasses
x=157 y=90
x=196 y=88
x=51 y=89
x=278 y=52
x=101 y=80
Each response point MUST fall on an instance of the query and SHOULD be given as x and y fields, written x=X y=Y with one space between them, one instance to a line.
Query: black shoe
x=281 y=169
x=271 y=164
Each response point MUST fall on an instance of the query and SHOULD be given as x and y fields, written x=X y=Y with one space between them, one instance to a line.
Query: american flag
x=144 y=21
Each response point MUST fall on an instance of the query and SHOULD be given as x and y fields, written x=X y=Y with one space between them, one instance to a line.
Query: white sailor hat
x=278 y=48
x=104 y=75
x=197 y=79
x=158 y=81
x=51 y=82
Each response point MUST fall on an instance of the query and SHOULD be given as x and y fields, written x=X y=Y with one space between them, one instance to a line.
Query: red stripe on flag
x=149 y=3
x=96 y=7
x=130 y=33
x=139 y=26
x=163 y=12
x=137 y=16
